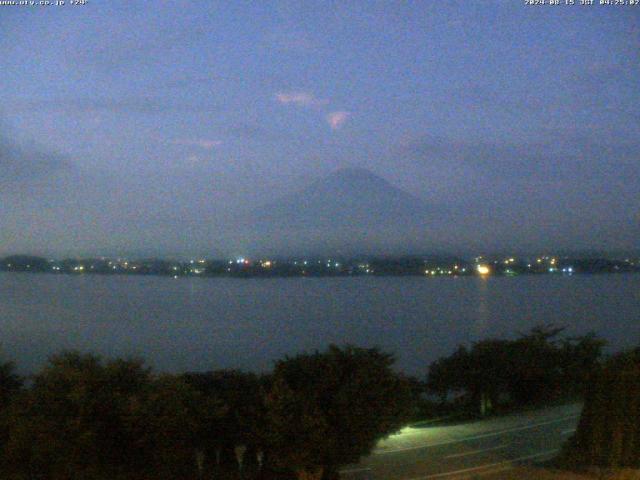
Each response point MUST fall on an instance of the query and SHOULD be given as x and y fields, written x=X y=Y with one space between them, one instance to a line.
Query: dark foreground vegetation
x=608 y=434
x=82 y=417
x=534 y=369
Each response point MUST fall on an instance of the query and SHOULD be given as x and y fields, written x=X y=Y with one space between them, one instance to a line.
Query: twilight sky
x=147 y=127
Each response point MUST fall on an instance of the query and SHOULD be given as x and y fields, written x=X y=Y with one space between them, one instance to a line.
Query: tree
x=481 y=372
x=72 y=421
x=579 y=358
x=608 y=433
x=447 y=374
x=10 y=383
x=169 y=423
x=533 y=368
x=329 y=409
x=240 y=398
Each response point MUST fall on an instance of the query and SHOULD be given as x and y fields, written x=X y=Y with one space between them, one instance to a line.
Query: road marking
x=568 y=432
x=475 y=437
x=488 y=465
x=475 y=452
x=355 y=470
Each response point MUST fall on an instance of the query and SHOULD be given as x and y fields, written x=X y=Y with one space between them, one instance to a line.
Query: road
x=468 y=450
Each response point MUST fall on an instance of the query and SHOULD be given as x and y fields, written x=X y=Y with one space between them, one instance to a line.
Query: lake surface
x=210 y=323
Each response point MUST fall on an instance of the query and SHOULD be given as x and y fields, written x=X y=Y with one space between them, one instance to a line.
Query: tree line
x=608 y=433
x=535 y=368
x=82 y=416
x=282 y=267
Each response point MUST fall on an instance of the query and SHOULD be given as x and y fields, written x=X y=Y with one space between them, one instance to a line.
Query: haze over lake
x=203 y=324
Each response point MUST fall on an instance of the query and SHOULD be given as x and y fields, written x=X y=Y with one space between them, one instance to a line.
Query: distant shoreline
x=234 y=276
x=325 y=267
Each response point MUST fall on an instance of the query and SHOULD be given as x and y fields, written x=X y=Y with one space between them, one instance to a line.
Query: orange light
x=483 y=269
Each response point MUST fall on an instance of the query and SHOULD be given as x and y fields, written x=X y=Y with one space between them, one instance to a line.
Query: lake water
x=211 y=323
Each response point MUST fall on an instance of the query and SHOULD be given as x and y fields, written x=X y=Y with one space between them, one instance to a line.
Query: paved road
x=470 y=449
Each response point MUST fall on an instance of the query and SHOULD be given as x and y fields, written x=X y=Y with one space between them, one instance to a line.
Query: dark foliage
x=328 y=409
x=85 y=418
x=10 y=384
x=608 y=433
x=534 y=368
x=82 y=417
x=241 y=421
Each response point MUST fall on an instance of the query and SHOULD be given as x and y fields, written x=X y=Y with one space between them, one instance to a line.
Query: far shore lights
x=483 y=269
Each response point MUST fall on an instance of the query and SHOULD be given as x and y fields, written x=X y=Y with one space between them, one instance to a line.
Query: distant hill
x=348 y=210
x=348 y=198
x=23 y=263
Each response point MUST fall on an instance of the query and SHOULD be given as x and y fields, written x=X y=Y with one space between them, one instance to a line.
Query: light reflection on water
x=481 y=323
x=200 y=324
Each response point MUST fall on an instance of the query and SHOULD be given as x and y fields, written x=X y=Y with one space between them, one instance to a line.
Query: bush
x=328 y=409
x=532 y=369
x=608 y=434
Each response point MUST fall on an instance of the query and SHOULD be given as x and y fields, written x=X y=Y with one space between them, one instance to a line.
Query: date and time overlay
x=552 y=3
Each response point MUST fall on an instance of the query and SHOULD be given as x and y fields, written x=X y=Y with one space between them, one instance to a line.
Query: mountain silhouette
x=349 y=210
x=348 y=198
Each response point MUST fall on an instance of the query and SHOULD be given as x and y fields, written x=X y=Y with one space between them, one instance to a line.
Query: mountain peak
x=351 y=208
x=353 y=172
x=347 y=196
x=350 y=179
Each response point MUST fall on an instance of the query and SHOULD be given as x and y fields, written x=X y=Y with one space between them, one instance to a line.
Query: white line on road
x=568 y=432
x=475 y=437
x=476 y=452
x=488 y=465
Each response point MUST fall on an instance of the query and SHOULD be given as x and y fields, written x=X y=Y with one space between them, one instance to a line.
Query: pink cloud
x=336 y=119
x=301 y=99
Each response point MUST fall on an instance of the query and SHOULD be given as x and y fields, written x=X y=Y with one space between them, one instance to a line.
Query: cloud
x=305 y=99
x=300 y=99
x=581 y=160
x=337 y=119
x=19 y=163
x=202 y=143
